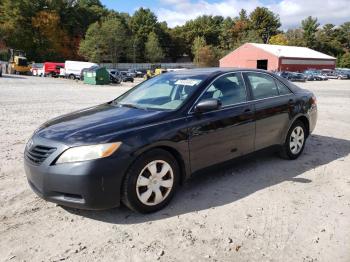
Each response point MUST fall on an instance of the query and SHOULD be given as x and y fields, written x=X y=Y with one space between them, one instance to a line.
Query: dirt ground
x=260 y=209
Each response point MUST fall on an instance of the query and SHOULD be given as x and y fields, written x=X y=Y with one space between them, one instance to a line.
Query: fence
x=139 y=66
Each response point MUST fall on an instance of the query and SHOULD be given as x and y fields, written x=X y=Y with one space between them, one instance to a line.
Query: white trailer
x=73 y=68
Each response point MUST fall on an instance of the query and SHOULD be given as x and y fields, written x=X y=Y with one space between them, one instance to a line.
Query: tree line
x=84 y=29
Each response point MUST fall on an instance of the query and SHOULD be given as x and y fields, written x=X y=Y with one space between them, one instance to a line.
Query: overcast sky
x=291 y=12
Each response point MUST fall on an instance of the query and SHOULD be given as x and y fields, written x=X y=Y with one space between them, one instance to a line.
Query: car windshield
x=165 y=92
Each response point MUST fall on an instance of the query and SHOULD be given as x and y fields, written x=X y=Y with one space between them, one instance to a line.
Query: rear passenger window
x=283 y=90
x=263 y=86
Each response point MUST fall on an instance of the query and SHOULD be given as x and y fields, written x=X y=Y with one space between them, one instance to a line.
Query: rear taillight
x=313 y=100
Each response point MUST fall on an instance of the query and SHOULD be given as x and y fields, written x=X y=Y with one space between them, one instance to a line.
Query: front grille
x=37 y=154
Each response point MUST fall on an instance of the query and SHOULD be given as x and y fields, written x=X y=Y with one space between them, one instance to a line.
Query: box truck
x=72 y=69
x=52 y=68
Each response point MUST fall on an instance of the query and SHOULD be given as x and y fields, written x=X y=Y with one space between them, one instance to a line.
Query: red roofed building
x=277 y=58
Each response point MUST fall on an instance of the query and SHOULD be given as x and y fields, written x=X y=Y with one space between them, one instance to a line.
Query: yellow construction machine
x=18 y=62
x=155 y=70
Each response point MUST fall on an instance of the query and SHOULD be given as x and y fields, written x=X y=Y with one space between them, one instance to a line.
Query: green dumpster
x=96 y=76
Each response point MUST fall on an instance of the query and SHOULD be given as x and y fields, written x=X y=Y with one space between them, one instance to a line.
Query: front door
x=228 y=132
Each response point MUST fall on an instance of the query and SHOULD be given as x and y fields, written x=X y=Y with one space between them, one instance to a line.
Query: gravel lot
x=260 y=209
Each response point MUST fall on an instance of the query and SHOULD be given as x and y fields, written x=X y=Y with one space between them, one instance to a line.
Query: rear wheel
x=151 y=181
x=295 y=141
x=72 y=77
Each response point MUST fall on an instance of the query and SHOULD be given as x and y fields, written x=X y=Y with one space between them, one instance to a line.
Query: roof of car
x=212 y=70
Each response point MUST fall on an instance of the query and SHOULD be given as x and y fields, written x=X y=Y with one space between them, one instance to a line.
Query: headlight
x=84 y=153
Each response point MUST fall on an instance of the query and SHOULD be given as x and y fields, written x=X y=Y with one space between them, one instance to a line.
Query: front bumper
x=92 y=184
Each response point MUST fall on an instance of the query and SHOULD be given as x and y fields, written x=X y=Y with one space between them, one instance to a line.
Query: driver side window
x=229 y=89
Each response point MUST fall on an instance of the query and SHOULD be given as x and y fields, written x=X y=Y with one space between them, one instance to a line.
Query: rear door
x=228 y=132
x=274 y=103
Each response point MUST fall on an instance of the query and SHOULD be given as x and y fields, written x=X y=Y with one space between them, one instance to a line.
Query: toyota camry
x=138 y=148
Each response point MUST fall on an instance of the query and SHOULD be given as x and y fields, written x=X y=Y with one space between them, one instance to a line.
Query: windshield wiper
x=129 y=105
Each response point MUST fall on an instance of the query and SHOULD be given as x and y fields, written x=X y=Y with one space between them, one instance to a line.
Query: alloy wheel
x=296 y=140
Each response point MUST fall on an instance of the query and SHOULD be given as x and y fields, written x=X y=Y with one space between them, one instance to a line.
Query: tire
x=292 y=150
x=139 y=188
x=72 y=77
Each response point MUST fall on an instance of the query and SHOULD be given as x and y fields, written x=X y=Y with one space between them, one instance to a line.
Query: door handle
x=247 y=110
x=291 y=101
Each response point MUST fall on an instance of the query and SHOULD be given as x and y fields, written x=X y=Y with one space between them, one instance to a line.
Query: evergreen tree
x=265 y=23
x=309 y=26
x=154 y=52
x=198 y=44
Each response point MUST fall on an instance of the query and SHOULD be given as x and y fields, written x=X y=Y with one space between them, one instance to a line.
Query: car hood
x=97 y=124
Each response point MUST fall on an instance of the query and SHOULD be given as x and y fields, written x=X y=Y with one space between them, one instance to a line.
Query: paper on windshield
x=187 y=82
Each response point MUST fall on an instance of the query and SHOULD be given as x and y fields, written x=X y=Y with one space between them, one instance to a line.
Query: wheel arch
x=306 y=123
x=183 y=164
x=180 y=161
x=304 y=119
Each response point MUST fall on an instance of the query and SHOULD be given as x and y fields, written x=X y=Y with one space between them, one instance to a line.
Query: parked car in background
x=343 y=74
x=292 y=76
x=73 y=68
x=317 y=77
x=136 y=73
x=140 y=73
x=36 y=70
x=86 y=70
x=114 y=76
x=298 y=77
x=52 y=68
x=330 y=74
x=314 y=75
x=309 y=76
x=132 y=72
x=138 y=148
x=322 y=76
x=126 y=77
x=284 y=74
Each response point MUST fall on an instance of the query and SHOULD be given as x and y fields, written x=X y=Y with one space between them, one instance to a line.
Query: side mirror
x=207 y=105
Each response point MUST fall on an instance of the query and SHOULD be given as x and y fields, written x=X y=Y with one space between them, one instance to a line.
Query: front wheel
x=295 y=141
x=151 y=181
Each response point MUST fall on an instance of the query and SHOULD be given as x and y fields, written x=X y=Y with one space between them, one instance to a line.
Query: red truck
x=52 y=68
